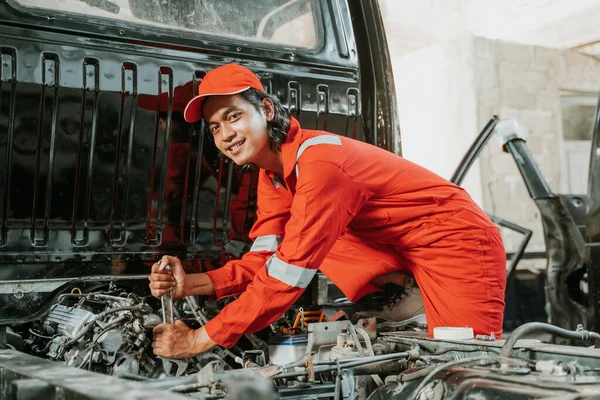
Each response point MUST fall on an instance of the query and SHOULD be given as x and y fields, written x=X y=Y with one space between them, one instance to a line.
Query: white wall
x=436 y=100
x=411 y=25
x=524 y=82
x=556 y=23
x=448 y=92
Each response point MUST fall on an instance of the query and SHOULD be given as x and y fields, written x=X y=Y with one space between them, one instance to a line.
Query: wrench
x=166 y=301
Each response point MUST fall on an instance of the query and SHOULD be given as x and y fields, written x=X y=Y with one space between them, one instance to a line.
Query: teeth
x=235 y=147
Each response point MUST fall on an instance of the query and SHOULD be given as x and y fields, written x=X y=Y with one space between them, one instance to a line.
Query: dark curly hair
x=278 y=127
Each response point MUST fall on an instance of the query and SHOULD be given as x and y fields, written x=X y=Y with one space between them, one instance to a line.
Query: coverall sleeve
x=326 y=199
x=272 y=214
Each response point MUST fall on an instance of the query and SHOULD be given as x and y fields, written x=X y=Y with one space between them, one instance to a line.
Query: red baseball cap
x=225 y=80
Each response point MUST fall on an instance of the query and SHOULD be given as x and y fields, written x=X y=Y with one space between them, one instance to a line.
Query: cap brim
x=193 y=109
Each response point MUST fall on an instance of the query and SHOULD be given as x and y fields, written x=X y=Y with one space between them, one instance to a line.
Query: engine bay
x=98 y=185
x=104 y=331
x=312 y=352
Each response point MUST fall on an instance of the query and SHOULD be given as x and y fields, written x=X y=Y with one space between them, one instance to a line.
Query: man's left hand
x=178 y=341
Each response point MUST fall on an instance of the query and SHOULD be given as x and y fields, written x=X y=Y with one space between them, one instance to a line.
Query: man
x=359 y=214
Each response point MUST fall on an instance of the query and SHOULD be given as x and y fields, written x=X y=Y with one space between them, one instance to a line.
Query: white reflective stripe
x=266 y=243
x=322 y=139
x=288 y=273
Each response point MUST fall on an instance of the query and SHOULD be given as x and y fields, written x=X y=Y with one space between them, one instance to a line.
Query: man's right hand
x=163 y=280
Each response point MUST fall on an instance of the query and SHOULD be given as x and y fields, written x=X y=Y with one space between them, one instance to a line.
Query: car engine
x=311 y=352
x=106 y=331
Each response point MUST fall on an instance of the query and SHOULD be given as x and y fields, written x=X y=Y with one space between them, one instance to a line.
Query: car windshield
x=287 y=22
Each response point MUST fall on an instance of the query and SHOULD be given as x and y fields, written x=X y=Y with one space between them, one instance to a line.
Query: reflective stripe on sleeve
x=288 y=273
x=266 y=243
x=321 y=139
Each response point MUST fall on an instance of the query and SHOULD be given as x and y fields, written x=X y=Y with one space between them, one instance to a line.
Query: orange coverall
x=354 y=212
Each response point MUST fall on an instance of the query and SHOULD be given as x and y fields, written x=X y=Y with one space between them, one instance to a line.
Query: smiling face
x=238 y=128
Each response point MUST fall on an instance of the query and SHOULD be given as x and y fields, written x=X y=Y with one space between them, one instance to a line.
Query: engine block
x=67 y=321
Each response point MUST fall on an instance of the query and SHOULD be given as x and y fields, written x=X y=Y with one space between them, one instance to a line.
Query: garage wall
x=437 y=108
x=525 y=83
x=448 y=92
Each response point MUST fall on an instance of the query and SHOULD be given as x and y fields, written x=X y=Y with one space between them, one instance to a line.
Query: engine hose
x=443 y=366
x=415 y=375
x=321 y=366
x=39 y=335
x=65 y=295
x=361 y=362
x=385 y=368
x=542 y=327
x=46 y=347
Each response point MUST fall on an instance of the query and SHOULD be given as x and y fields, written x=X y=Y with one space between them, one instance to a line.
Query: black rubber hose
x=547 y=328
x=34 y=333
x=416 y=375
x=454 y=363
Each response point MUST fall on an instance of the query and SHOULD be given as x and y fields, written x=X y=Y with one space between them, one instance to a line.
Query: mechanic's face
x=238 y=128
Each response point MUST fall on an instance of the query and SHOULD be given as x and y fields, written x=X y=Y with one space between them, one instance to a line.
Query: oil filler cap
x=452 y=333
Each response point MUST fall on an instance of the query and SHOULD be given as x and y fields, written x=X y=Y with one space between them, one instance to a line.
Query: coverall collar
x=289 y=148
